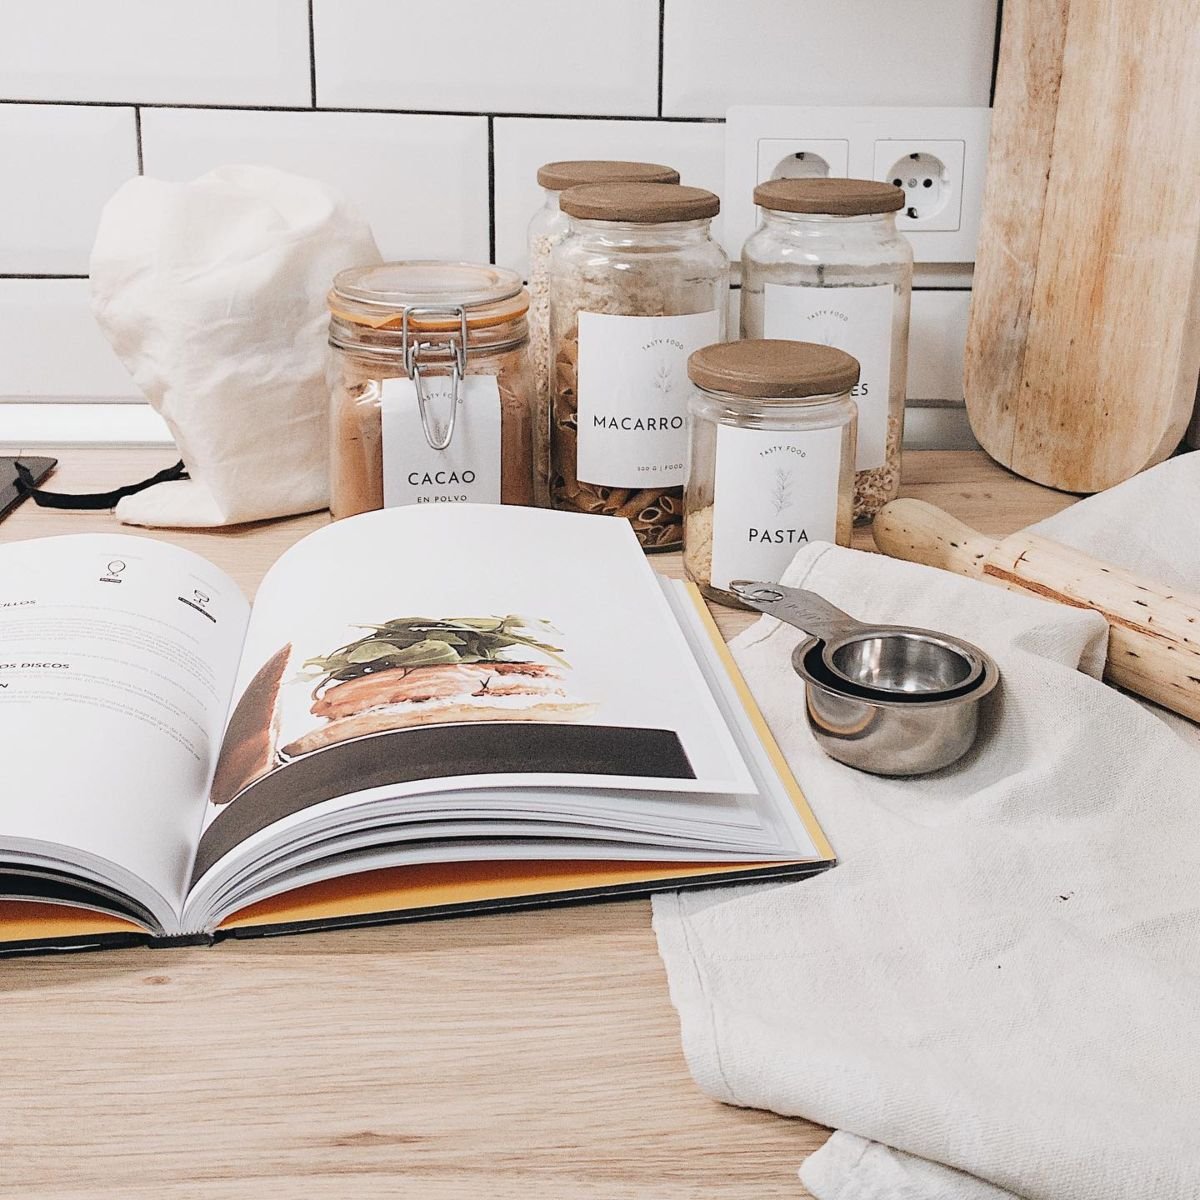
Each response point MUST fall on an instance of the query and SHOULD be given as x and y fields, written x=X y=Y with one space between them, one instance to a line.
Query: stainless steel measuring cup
x=899 y=732
x=892 y=659
x=902 y=735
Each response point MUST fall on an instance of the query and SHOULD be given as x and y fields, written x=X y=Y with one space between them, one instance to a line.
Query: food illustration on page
x=405 y=672
x=422 y=671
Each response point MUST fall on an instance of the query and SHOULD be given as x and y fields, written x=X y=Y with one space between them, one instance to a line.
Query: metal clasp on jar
x=411 y=349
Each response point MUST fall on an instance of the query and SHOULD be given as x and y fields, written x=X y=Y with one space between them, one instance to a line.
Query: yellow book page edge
x=778 y=762
x=39 y=921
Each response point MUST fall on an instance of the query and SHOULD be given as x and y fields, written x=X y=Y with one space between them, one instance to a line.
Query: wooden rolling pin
x=1153 y=630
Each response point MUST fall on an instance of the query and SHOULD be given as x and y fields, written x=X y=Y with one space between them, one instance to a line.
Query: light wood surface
x=512 y=1056
x=1084 y=339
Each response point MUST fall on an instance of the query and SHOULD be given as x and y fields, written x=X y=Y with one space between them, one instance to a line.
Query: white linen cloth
x=212 y=293
x=997 y=991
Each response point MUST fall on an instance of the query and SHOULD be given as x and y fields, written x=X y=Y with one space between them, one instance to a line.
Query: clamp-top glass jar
x=636 y=287
x=827 y=265
x=548 y=227
x=432 y=393
x=771 y=462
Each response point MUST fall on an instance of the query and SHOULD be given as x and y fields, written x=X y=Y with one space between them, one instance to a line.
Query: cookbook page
x=117 y=662
x=424 y=649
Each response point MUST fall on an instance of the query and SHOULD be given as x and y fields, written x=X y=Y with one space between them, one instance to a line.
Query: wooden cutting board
x=1083 y=347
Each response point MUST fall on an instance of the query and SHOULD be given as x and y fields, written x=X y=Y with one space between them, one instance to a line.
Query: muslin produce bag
x=212 y=293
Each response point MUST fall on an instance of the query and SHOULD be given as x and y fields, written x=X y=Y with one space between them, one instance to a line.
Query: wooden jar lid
x=837 y=197
x=557 y=176
x=639 y=203
x=773 y=369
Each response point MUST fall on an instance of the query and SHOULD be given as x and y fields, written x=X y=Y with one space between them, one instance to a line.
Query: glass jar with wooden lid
x=771 y=459
x=828 y=265
x=547 y=228
x=637 y=285
x=431 y=388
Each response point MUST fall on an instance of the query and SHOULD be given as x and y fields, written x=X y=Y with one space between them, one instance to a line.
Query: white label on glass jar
x=633 y=391
x=857 y=320
x=773 y=494
x=468 y=469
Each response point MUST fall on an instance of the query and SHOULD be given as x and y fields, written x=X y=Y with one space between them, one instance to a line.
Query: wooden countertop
x=524 y=1055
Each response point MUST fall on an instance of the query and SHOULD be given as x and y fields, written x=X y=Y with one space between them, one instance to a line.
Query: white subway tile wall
x=421 y=181
x=156 y=51
x=52 y=347
x=61 y=162
x=937 y=337
x=522 y=56
x=431 y=119
x=716 y=54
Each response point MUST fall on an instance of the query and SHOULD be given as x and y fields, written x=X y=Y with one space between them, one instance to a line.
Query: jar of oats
x=827 y=265
x=547 y=228
x=431 y=387
x=771 y=461
x=637 y=285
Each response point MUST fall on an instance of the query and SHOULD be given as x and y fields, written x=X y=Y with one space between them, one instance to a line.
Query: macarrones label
x=857 y=320
x=633 y=393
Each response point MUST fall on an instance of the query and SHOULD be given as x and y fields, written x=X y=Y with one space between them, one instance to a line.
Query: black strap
x=93 y=500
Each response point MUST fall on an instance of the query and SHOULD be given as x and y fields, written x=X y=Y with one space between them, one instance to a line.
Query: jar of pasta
x=771 y=462
x=827 y=265
x=547 y=228
x=432 y=392
x=637 y=285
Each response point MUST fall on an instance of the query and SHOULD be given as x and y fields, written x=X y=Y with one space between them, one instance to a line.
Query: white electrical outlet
x=788 y=158
x=931 y=175
x=938 y=154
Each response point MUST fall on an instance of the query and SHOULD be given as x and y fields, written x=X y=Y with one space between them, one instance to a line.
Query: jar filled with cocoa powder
x=432 y=396
x=637 y=285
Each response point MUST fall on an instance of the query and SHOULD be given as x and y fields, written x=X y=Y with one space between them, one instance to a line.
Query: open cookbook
x=426 y=710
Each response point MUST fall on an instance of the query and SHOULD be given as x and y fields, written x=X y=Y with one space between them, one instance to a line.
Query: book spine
x=180 y=939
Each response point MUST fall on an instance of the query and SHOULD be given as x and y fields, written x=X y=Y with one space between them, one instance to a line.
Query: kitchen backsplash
x=432 y=118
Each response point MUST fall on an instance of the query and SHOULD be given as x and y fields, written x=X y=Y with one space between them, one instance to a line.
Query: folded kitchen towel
x=997 y=991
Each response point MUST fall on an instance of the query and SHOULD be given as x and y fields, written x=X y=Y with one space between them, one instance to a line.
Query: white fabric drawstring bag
x=212 y=293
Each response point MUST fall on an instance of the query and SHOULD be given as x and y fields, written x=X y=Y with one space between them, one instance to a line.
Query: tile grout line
x=398 y=112
x=312 y=55
x=996 y=51
x=491 y=170
x=662 y=25
x=917 y=287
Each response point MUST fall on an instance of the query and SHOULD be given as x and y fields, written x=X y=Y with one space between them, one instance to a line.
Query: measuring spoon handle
x=796 y=606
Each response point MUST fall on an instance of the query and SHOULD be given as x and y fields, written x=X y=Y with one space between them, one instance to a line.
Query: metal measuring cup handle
x=798 y=607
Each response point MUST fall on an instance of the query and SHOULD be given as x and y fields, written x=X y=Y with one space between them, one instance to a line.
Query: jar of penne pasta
x=549 y=226
x=432 y=391
x=636 y=286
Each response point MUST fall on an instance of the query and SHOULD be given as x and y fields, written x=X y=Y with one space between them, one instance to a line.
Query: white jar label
x=633 y=391
x=468 y=469
x=857 y=320
x=773 y=493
